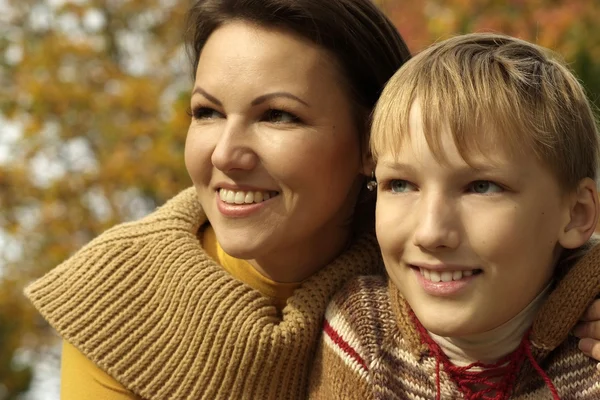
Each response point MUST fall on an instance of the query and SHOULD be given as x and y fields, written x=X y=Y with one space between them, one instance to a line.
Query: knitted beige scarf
x=146 y=304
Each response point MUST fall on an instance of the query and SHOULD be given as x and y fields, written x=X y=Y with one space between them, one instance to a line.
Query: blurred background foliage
x=93 y=100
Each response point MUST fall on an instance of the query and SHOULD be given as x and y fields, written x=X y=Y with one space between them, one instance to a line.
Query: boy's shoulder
x=361 y=285
x=357 y=320
x=369 y=336
x=576 y=375
x=572 y=373
x=361 y=301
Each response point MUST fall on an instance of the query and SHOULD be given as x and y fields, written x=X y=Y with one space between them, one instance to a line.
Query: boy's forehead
x=477 y=150
x=419 y=155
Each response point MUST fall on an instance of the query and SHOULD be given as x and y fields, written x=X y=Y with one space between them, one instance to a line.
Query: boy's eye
x=279 y=116
x=401 y=186
x=484 y=187
x=205 y=113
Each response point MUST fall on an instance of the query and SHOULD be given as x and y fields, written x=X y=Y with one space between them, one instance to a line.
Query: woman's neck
x=488 y=347
x=298 y=263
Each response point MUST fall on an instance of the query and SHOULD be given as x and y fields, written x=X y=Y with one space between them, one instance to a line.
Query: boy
x=486 y=151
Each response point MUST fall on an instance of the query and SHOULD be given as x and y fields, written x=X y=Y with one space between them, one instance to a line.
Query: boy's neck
x=488 y=347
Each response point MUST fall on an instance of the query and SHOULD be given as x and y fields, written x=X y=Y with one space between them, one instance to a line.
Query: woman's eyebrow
x=265 y=97
x=207 y=95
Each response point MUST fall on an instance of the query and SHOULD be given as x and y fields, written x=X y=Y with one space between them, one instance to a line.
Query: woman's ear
x=583 y=216
x=368 y=165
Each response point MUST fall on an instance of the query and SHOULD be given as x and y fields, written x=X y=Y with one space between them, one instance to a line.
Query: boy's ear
x=583 y=217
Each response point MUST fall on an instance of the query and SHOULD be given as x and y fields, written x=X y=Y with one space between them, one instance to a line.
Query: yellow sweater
x=147 y=312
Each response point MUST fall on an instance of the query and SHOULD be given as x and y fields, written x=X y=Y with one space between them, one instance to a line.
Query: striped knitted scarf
x=374 y=349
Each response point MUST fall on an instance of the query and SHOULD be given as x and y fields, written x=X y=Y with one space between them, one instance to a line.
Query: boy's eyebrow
x=486 y=166
x=397 y=165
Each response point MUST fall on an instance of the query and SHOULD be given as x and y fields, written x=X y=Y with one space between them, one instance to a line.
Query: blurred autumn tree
x=93 y=106
x=570 y=27
x=93 y=122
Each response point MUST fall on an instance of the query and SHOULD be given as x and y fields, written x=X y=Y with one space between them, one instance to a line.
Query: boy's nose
x=437 y=225
x=234 y=149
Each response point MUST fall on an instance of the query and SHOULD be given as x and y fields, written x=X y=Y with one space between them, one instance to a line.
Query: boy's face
x=469 y=248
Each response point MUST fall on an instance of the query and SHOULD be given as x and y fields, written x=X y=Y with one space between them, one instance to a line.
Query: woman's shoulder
x=145 y=298
x=125 y=247
x=180 y=215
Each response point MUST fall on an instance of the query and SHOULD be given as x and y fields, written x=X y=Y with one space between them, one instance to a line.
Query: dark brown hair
x=366 y=44
x=363 y=41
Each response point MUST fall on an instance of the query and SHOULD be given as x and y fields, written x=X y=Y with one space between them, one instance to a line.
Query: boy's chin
x=448 y=324
x=444 y=329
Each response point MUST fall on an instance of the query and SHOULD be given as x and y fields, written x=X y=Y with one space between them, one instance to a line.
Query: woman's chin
x=240 y=250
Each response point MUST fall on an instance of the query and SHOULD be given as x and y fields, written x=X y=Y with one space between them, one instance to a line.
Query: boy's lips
x=444 y=279
x=442 y=266
x=446 y=283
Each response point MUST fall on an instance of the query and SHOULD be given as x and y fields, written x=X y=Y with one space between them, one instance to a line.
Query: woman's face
x=273 y=150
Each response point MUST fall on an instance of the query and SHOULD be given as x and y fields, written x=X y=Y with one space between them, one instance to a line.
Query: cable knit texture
x=371 y=348
x=146 y=304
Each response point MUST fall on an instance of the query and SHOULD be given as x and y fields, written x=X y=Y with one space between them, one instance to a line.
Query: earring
x=372 y=183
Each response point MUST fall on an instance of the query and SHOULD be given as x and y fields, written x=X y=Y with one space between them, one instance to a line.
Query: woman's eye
x=279 y=116
x=484 y=187
x=401 y=186
x=205 y=113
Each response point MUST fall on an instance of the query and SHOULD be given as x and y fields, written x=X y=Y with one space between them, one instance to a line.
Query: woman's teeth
x=241 y=197
x=445 y=276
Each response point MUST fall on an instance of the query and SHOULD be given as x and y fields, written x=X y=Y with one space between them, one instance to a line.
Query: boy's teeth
x=241 y=197
x=445 y=276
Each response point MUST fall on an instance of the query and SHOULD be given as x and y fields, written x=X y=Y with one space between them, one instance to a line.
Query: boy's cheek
x=392 y=225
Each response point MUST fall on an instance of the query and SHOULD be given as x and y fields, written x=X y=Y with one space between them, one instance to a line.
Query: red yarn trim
x=540 y=371
x=496 y=380
x=343 y=345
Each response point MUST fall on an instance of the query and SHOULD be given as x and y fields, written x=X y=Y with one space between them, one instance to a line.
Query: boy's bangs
x=478 y=120
x=390 y=128
x=489 y=92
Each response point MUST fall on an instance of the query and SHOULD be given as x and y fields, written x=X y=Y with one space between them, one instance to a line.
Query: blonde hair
x=487 y=86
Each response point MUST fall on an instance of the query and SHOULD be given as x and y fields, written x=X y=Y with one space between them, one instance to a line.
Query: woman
x=221 y=292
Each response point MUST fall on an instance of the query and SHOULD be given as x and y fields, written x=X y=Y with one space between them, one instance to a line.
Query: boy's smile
x=443 y=279
x=469 y=245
